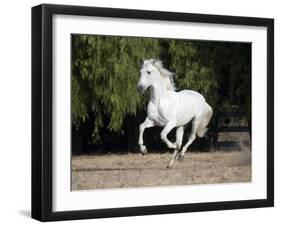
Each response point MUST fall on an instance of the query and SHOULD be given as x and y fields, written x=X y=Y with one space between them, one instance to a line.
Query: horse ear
x=142 y=61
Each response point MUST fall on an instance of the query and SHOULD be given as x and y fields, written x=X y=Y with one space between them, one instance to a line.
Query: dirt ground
x=135 y=170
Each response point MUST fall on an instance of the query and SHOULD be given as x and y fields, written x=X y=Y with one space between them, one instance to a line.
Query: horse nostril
x=139 y=87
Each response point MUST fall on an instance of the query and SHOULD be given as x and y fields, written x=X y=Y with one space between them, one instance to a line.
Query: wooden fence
x=233 y=132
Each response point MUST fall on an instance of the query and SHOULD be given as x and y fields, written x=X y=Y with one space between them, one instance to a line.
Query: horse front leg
x=146 y=124
x=169 y=126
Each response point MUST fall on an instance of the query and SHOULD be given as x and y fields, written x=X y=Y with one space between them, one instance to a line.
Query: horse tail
x=205 y=118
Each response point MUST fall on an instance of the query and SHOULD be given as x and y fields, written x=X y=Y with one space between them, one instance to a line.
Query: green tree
x=105 y=71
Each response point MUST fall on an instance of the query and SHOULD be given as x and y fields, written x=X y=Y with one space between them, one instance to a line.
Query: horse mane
x=168 y=76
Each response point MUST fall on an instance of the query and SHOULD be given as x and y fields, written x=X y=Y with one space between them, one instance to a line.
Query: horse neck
x=158 y=92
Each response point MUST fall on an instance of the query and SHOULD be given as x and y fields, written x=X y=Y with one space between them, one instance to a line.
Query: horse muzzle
x=141 y=89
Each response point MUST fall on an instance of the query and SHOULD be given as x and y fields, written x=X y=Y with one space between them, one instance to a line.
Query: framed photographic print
x=146 y=112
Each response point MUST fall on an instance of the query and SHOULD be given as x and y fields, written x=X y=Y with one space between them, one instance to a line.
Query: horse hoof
x=181 y=157
x=170 y=165
x=143 y=150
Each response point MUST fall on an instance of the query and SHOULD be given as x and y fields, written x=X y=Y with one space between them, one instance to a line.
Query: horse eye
x=148 y=72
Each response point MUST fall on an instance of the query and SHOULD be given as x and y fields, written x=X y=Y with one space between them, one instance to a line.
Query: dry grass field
x=135 y=170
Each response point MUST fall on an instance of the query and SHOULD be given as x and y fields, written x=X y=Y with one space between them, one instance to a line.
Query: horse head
x=152 y=73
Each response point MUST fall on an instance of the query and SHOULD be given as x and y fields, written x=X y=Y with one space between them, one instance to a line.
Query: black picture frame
x=42 y=111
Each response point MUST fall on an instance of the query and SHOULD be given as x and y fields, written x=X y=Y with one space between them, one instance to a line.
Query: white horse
x=169 y=109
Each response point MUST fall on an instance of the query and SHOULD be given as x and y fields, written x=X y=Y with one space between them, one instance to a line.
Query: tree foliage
x=105 y=71
x=220 y=71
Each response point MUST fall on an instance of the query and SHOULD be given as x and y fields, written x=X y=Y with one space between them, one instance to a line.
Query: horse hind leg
x=179 y=136
x=191 y=138
x=199 y=128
